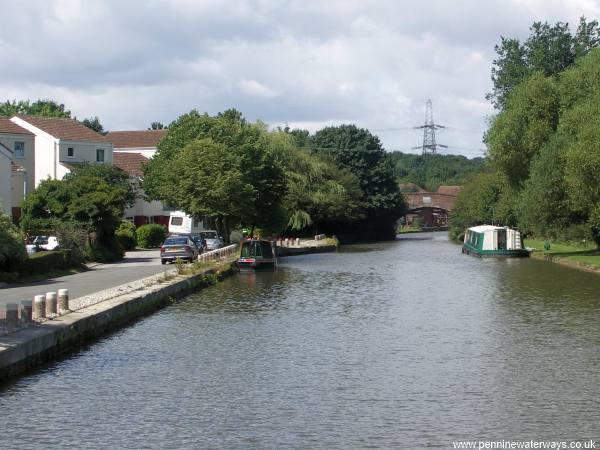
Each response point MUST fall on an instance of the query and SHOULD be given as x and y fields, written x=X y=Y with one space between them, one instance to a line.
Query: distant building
x=6 y=156
x=434 y=208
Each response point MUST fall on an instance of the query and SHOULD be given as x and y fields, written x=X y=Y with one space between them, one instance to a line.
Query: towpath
x=135 y=265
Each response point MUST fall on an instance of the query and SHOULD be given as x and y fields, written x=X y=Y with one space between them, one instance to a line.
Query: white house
x=20 y=142
x=60 y=144
x=5 y=178
x=133 y=149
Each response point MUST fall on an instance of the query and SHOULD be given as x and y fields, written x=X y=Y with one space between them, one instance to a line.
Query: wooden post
x=39 y=307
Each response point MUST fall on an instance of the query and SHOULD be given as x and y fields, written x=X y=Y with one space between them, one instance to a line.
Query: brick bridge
x=433 y=207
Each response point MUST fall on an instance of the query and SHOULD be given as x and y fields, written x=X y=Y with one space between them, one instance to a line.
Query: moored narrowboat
x=256 y=254
x=490 y=240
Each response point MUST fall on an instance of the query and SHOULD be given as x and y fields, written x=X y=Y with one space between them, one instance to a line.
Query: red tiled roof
x=449 y=190
x=136 y=139
x=7 y=126
x=64 y=129
x=130 y=162
x=410 y=187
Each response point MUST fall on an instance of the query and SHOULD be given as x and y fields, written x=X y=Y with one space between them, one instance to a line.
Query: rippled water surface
x=398 y=345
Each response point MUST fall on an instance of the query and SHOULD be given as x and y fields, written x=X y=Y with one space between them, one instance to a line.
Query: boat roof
x=483 y=228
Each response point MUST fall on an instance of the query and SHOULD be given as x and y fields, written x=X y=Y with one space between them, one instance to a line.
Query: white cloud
x=308 y=64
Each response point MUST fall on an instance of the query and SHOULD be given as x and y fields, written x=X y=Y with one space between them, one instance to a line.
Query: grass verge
x=585 y=256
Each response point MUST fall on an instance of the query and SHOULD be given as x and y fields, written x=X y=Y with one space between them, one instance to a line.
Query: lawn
x=586 y=255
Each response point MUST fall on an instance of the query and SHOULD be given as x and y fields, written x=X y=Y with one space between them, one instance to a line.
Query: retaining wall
x=38 y=344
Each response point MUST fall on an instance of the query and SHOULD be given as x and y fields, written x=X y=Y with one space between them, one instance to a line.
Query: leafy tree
x=46 y=108
x=223 y=142
x=549 y=49
x=93 y=123
x=360 y=152
x=517 y=134
x=157 y=126
x=12 y=245
x=93 y=196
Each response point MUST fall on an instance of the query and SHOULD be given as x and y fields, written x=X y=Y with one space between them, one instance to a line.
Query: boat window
x=267 y=251
x=252 y=250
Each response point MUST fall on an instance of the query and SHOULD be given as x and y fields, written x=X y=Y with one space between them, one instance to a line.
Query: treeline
x=240 y=174
x=544 y=145
x=432 y=171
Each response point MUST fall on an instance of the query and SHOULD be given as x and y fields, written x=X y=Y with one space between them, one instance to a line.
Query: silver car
x=212 y=238
x=182 y=247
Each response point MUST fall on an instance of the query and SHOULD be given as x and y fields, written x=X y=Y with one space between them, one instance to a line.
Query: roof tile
x=7 y=126
x=130 y=162
x=136 y=139
x=64 y=129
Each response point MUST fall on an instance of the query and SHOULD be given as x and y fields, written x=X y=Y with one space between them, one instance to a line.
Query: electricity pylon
x=429 y=144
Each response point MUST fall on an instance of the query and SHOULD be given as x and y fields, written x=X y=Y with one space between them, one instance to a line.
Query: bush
x=106 y=253
x=72 y=238
x=150 y=236
x=125 y=234
x=43 y=262
x=12 y=245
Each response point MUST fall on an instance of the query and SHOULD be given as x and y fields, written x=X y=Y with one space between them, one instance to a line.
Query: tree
x=46 y=108
x=157 y=126
x=93 y=123
x=361 y=153
x=517 y=133
x=12 y=245
x=231 y=135
x=93 y=195
x=549 y=49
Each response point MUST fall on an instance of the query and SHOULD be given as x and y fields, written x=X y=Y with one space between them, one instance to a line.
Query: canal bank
x=40 y=343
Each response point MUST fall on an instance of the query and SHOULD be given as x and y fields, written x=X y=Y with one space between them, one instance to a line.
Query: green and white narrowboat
x=490 y=240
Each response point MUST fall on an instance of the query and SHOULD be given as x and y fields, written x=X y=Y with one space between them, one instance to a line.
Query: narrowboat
x=490 y=240
x=256 y=254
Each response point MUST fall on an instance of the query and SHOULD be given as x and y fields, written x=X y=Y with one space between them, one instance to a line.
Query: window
x=70 y=152
x=19 y=150
x=177 y=221
x=99 y=155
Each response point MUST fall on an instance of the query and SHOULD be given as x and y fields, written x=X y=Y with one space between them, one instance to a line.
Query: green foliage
x=157 y=126
x=46 y=108
x=150 y=236
x=549 y=50
x=203 y=155
x=433 y=171
x=44 y=262
x=126 y=235
x=517 y=133
x=12 y=245
x=93 y=123
x=361 y=153
x=107 y=252
x=92 y=195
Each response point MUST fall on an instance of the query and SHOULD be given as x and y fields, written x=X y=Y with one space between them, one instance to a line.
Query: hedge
x=43 y=262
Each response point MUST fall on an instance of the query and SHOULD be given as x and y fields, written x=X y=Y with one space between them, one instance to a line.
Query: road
x=135 y=265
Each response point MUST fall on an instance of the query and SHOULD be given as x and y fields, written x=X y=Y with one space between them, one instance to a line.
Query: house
x=59 y=145
x=6 y=156
x=133 y=149
x=20 y=143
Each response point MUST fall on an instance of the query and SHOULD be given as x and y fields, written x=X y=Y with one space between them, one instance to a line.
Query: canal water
x=408 y=344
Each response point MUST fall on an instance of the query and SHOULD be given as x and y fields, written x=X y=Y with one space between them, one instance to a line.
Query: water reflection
x=396 y=345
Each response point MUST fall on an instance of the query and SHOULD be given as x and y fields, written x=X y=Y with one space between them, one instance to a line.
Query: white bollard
x=26 y=311
x=63 y=300
x=297 y=242
x=39 y=307
x=51 y=304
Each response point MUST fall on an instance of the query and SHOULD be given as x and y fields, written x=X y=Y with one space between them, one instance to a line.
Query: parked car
x=175 y=247
x=42 y=243
x=213 y=240
x=200 y=242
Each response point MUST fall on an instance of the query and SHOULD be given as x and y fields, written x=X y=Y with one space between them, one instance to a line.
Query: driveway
x=136 y=264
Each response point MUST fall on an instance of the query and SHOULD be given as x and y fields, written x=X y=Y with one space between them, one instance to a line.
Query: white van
x=181 y=223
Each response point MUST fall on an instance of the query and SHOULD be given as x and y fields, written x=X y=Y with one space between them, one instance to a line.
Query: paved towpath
x=136 y=265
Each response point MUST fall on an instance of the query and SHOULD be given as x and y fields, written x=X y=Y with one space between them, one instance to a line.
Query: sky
x=305 y=64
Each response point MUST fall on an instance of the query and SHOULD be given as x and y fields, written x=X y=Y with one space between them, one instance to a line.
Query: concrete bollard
x=26 y=311
x=39 y=307
x=63 y=300
x=12 y=316
x=51 y=304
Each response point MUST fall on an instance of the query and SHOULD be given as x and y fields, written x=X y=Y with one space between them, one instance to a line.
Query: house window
x=70 y=152
x=99 y=155
x=19 y=150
